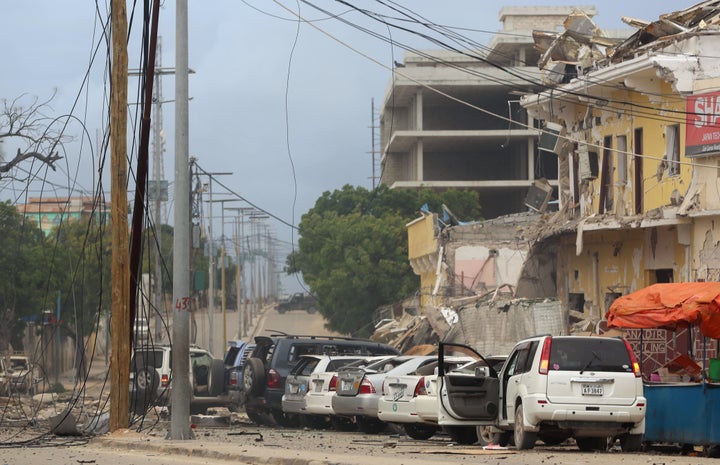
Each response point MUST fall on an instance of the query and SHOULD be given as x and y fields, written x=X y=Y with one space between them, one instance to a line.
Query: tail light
x=273 y=379
x=164 y=381
x=233 y=378
x=420 y=388
x=545 y=357
x=333 y=384
x=633 y=359
x=366 y=387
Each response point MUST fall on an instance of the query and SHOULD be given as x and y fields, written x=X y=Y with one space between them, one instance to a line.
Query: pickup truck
x=298 y=301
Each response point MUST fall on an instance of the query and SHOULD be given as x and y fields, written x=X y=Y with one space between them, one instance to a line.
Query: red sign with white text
x=702 y=123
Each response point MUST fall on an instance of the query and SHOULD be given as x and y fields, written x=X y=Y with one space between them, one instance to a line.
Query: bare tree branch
x=25 y=120
x=49 y=160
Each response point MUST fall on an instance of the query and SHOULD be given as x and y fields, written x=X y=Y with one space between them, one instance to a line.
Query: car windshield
x=599 y=354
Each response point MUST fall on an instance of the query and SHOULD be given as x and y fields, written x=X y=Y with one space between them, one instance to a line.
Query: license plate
x=345 y=385
x=294 y=388
x=318 y=386
x=592 y=389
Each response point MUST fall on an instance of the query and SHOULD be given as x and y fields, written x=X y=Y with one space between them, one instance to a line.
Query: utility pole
x=120 y=275
x=180 y=394
x=211 y=264
x=222 y=267
x=242 y=306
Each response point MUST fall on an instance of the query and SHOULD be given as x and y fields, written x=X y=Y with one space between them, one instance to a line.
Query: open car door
x=468 y=395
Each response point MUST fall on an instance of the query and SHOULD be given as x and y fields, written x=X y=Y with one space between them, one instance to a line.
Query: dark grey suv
x=267 y=368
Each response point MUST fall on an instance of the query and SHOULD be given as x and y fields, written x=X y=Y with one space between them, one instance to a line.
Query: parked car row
x=549 y=389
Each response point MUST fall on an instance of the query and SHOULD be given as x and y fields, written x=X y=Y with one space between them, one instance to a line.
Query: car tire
x=369 y=425
x=524 y=440
x=462 y=434
x=146 y=379
x=344 y=424
x=420 y=431
x=485 y=435
x=255 y=417
x=591 y=444
x=286 y=420
x=631 y=442
x=216 y=378
x=253 y=376
x=314 y=421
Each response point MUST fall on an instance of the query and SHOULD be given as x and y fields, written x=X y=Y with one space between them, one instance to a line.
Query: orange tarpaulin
x=670 y=306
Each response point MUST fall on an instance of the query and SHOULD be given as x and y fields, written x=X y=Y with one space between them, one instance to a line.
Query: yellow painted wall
x=422 y=253
x=618 y=261
x=421 y=237
x=620 y=118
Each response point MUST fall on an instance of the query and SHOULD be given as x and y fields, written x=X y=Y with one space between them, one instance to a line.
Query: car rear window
x=148 y=358
x=599 y=354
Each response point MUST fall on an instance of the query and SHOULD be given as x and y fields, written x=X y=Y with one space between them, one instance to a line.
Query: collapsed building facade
x=633 y=127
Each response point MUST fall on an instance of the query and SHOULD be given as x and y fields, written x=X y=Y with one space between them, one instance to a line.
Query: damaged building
x=633 y=129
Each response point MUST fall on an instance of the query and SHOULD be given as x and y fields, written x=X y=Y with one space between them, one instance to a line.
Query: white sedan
x=321 y=389
x=299 y=384
x=427 y=404
x=358 y=390
x=399 y=395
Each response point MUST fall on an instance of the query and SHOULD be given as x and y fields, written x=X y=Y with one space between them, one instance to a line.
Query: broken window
x=622 y=160
x=576 y=301
x=672 y=149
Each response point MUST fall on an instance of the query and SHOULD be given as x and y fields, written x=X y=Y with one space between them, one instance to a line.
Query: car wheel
x=314 y=421
x=342 y=423
x=286 y=420
x=485 y=435
x=462 y=434
x=523 y=439
x=253 y=376
x=631 y=442
x=146 y=379
x=255 y=417
x=216 y=379
x=369 y=425
x=420 y=431
x=590 y=444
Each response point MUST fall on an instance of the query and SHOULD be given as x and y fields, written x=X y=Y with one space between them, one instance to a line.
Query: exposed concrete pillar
x=419 y=110
x=419 y=155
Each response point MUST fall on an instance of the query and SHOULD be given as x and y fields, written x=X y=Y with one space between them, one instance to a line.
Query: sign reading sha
x=702 y=135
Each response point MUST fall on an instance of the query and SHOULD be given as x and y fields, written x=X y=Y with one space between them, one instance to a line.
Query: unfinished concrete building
x=453 y=120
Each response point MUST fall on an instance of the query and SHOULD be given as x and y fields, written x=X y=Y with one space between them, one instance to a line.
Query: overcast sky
x=268 y=93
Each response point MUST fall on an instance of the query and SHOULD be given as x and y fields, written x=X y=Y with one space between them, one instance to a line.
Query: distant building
x=49 y=212
x=453 y=120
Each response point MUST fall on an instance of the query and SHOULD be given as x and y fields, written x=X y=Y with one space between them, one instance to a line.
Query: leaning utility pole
x=120 y=275
x=180 y=394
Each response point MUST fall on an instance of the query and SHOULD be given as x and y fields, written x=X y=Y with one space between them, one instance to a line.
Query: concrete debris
x=668 y=27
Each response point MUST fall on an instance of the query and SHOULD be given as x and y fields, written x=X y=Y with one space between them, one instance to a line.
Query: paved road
x=295 y=322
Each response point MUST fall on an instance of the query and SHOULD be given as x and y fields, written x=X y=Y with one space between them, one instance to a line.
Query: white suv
x=151 y=378
x=552 y=388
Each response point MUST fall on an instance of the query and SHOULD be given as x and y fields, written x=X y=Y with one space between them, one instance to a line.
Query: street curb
x=186 y=449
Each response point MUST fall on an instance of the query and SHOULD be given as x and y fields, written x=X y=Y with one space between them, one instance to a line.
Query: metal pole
x=158 y=168
x=222 y=277
x=211 y=277
x=180 y=394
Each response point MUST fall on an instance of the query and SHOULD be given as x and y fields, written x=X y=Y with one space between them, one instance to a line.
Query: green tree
x=353 y=252
x=80 y=251
x=22 y=274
